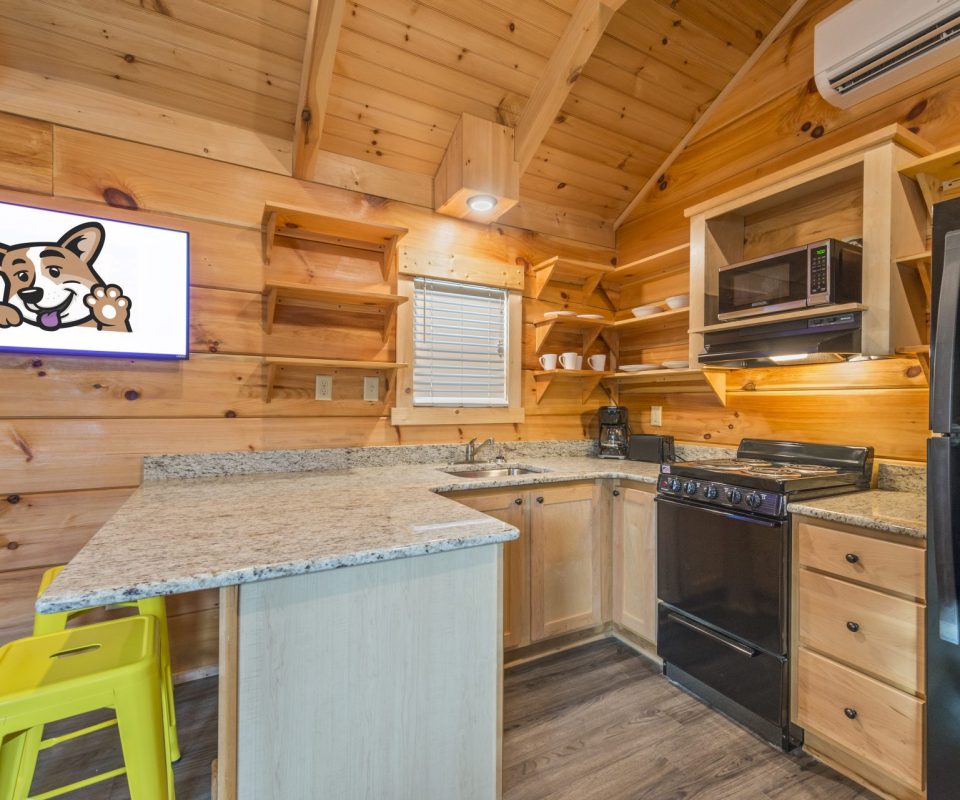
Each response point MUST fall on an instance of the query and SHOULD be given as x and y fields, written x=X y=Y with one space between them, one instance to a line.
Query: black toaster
x=644 y=447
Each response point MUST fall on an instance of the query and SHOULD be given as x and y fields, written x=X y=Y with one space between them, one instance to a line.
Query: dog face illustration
x=53 y=285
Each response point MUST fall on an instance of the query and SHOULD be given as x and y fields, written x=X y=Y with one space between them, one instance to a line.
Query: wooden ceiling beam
x=755 y=56
x=319 y=55
x=577 y=43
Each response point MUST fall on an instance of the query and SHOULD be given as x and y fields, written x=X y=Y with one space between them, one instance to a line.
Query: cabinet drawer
x=886 y=565
x=886 y=728
x=863 y=627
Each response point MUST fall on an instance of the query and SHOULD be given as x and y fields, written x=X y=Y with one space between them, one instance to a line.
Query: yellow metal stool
x=44 y=679
x=150 y=606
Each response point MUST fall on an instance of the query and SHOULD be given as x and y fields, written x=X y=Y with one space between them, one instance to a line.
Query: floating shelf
x=590 y=328
x=803 y=313
x=673 y=316
x=301 y=223
x=590 y=378
x=326 y=299
x=275 y=363
x=671 y=381
x=585 y=275
x=675 y=259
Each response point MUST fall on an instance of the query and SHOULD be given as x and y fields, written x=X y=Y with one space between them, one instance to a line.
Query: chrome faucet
x=470 y=457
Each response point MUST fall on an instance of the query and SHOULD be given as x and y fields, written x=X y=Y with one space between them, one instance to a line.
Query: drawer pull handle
x=616 y=492
x=539 y=499
x=519 y=501
x=852 y=558
x=850 y=712
x=853 y=627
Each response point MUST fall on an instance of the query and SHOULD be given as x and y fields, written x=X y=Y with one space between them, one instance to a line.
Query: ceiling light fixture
x=482 y=202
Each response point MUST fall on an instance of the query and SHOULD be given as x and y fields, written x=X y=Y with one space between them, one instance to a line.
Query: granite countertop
x=174 y=536
x=899 y=512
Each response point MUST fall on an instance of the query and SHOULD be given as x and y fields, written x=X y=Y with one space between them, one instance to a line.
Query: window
x=460 y=351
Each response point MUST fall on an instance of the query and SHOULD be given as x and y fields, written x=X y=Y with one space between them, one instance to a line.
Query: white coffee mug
x=568 y=360
x=579 y=362
x=548 y=361
x=597 y=361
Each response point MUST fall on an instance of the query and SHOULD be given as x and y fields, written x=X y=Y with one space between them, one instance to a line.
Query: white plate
x=647 y=310
x=554 y=314
x=678 y=301
x=676 y=364
x=638 y=367
x=589 y=316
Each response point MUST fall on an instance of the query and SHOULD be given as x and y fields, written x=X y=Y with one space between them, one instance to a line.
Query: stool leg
x=143 y=739
x=18 y=761
x=173 y=739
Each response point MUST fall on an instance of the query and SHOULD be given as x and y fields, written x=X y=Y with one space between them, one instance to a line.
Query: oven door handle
x=749 y=652
x=768 y=523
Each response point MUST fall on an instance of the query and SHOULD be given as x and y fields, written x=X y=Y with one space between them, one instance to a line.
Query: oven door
x=725 y=569
x=764 y=285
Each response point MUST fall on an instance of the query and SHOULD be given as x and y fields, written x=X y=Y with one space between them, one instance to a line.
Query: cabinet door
x=565 y=555
x=635 y=562
x=509 y=507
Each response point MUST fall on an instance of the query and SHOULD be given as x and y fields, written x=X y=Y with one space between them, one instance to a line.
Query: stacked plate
x=676 y=364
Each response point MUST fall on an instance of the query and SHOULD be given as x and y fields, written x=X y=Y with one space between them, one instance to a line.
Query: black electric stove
x=723 y=572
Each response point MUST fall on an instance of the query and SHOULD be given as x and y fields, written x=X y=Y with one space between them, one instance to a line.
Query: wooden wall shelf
x=590 y=328
x=671 y=381
x=327 y=299
x=937 y=174
x=589 y=378
x=633 y=324
x=302 y=223
x=674 y=259
x=585 y=275
x=803 y=313
x=275 y=363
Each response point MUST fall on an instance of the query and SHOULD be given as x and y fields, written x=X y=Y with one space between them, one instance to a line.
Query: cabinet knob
x=519 y=501
x=539 y=499
x=850 y=712
x=852 y=558
x=853 y=627
x=616 y=492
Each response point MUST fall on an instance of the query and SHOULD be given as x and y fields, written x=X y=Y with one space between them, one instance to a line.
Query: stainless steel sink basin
x=497 y=472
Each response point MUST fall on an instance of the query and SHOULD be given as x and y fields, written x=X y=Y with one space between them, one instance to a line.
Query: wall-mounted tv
x=82 y=285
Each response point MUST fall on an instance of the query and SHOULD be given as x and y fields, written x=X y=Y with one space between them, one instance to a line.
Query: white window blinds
x=460 y=344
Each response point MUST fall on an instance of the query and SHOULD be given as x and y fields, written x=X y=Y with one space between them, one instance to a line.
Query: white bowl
x=647 y=310
x=678 y=301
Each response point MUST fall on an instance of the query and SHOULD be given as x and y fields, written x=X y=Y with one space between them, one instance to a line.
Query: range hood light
x=790 y=358
x=482 y=202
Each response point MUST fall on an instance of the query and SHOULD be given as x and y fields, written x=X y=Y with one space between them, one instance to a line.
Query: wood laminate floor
x=595 y=722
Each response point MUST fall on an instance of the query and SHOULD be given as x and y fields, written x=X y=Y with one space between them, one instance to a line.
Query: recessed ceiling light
x=482 y=202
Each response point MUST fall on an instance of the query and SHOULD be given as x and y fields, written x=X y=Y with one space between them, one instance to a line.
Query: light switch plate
x=324 y=387
x=371 y=388
x=656 y=415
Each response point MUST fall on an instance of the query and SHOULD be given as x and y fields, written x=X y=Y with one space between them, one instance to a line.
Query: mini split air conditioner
x=870 y=45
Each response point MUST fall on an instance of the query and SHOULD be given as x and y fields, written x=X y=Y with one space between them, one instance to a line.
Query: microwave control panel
x=819 y=270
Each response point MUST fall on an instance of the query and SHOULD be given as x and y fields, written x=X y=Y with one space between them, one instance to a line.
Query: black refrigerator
x=943 y=511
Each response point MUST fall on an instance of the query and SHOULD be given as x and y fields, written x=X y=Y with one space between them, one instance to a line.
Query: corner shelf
x=590 y=328
x=672 y=381
x=294 y=222
x=937 y=174
x=275 y=363
x=585 y=275
x=590 y=378
x=326 y=299
x=666 y=262
x=634 y=324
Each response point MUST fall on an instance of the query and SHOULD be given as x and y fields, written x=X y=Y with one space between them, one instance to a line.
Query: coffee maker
x=614 y=432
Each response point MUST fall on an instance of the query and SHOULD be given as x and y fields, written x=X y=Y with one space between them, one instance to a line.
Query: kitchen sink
x=493 y=472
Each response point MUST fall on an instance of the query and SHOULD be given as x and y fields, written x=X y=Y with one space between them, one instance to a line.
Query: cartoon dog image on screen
x=53 y=285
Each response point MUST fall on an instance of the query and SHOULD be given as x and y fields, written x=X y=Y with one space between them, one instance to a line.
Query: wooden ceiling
x=404 y=70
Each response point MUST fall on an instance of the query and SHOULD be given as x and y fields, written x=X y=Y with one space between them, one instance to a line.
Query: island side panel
x=380 y=680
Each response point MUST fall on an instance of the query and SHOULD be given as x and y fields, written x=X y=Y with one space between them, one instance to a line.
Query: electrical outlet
x=656 y=415
x=324 y=387
x=371 y=388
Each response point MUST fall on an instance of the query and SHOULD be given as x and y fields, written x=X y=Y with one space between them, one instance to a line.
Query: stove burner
x=776 y=472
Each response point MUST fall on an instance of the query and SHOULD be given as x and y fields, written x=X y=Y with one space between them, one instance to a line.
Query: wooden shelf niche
x=275 y=364
x=300 y=223
x=852 y=191
x=588 y=377
x=377 y=304
x=582 y=278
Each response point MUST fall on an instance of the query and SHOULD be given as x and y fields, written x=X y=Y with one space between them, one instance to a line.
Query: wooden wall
x=74 y=429
x=772 y=119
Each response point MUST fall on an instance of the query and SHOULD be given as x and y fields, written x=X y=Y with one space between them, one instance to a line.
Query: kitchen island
x=360 y=619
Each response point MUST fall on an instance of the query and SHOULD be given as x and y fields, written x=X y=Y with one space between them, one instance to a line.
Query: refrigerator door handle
x=943 y=352
x=943 y=469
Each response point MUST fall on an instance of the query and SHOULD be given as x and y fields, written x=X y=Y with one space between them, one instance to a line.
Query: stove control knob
x=691 y=487
x=675 y=485
x=711 y=492
x=734 y=496
x=754 y=500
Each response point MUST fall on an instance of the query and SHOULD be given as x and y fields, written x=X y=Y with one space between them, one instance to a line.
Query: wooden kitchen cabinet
x=510 y=507
x=566 y=554
x=635 y=561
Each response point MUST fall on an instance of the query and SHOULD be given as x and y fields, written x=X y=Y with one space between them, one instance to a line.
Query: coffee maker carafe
x=614 y=432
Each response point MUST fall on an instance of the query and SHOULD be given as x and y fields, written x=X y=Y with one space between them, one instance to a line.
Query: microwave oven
x=823 y=273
